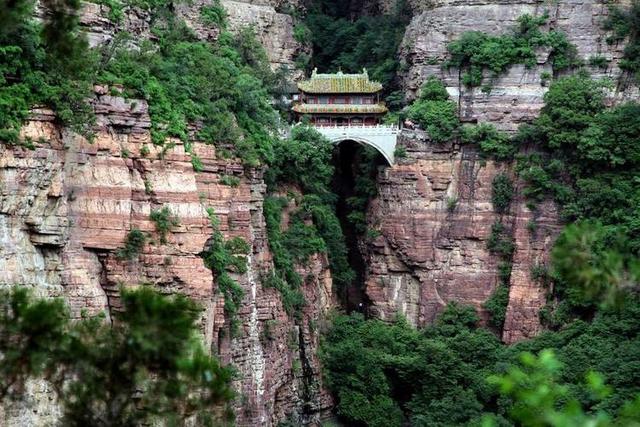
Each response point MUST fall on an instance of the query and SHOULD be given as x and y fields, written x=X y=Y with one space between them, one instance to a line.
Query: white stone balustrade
x=381 y=137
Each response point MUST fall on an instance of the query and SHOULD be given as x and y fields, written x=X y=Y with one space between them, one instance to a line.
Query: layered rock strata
x=516 y=96
x=67 y=206
x=273 y=28
x=434 y=216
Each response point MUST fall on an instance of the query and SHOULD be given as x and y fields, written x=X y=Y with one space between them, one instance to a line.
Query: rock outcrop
x=274 y=28
x=434 y=216
x=516 y=96
x=68 y=205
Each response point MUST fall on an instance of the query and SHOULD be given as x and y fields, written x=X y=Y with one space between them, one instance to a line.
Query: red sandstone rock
x=429 y=254
x=67 y=207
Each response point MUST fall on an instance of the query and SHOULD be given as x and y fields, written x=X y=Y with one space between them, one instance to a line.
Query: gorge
x=355 y=234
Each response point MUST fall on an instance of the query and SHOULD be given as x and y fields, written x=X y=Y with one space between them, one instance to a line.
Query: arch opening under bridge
x=383 y=138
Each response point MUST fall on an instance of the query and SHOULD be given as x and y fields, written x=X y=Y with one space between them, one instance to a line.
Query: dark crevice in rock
x=307 y=378
x=348 y=155
x=112 y=292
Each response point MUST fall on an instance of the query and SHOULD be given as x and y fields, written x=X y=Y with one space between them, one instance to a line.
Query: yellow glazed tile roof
x=340 y=108
x=339 y=83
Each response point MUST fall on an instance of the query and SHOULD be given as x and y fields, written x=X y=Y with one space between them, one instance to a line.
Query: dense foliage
x=303 y=161
x=364 y=189
x=502 y=192
x=434 y=112
x=43 y=63
x=99 y=368
x=491 y=142
x=474 y=52
x=224 y=257
x=220 y=86
x=348 y=44
x=590 y=159
x=384 y=374
x=587 y=160
x=223 y=87
x=624 y=23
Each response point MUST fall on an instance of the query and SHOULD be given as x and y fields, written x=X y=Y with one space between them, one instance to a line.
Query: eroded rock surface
x=434 y=215
x=68 y=205
x=516 y=96
x=273 y=28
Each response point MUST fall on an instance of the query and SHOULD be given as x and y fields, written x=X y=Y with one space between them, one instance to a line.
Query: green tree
x=43 y=62
x=540 y=400
x=31 y=335
x=594 y=265
x=147 y=365
x=434 y=112
x=369 y=42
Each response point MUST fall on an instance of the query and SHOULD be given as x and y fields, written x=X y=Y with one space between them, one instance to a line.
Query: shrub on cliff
x=502 y=192
x=133 y=245
x=624 y=23
x=492 y=142
x=434 y=112
x=43 y=62
x=164 y=221
x=146 y=366
x=223 y=257
x=474 y=52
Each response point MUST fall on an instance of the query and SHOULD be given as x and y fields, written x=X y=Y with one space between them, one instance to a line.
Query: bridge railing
x=359 y=130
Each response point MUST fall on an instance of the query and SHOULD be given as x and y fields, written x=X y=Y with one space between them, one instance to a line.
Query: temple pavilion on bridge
x=340 y=100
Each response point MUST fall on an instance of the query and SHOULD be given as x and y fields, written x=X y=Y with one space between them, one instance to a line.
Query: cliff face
x=429 y=252
x=273 y=23
x=515 y=97
x=434 y=215
x=68 y=205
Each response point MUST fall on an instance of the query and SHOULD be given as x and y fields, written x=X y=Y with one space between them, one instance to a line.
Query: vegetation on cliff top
x=44 y=63
x=223 y=87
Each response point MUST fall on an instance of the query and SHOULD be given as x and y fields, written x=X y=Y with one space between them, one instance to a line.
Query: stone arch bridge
x=382 y=138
